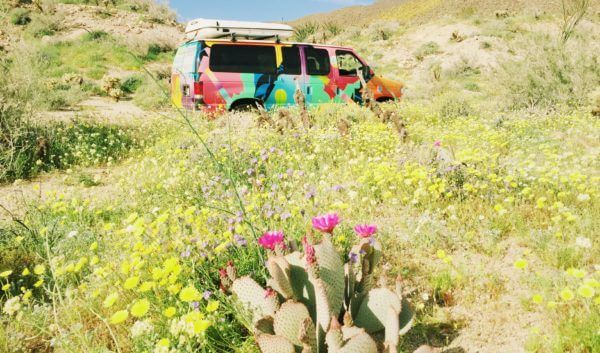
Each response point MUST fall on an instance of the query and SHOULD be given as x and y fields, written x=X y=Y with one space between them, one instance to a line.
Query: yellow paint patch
x=280 y=96
x=176 y=94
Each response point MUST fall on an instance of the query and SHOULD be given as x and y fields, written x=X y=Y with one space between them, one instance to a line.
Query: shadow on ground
x=433 y=334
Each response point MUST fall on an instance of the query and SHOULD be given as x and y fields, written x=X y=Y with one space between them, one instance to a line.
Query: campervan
x=234 y=65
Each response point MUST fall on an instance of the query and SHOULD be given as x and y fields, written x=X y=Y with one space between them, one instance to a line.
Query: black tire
x=246 y=106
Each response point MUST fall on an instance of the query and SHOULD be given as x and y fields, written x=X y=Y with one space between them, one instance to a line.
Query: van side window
x=317 y=61
x=291 y=60
x=348 y=63
x=243 y=59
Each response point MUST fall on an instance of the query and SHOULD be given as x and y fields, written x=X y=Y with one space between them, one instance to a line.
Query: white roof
x=202 y=28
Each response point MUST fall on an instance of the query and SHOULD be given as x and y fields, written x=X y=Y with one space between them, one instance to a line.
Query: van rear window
x=243 y=59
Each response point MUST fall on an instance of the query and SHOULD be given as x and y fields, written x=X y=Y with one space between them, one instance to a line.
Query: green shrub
x=131 y=84
x=453 y=105
x=332 y=28
x=550 y=74
x=96 y=35
x=20 y=16
x=304 y=32
x=151 y=96
x=155 y=50
x=55 y=146
x=43 y=25
x=429 y=48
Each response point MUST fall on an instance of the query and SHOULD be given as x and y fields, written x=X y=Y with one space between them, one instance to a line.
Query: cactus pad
x=289 y=321
x=279 y=269
x=253 y=297
x=331 y=271
x=373 y=311
x=274 y=344
x=361 y=343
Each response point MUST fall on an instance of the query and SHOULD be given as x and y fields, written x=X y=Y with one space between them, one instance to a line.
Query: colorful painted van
x=224 y=74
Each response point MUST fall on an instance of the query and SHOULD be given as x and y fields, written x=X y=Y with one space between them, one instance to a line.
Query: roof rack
x=217 y=29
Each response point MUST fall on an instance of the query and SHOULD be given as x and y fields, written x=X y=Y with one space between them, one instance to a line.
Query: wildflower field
x=477 y=218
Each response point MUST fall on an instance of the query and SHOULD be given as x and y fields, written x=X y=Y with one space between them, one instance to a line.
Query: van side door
x=290 y=76
x=319 y=85
x=348 y=85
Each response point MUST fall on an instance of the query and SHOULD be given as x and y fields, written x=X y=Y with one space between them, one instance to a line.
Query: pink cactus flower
x=365 y=230
x=327 y=223
x=438 y=143
x=270 y=240
x=269 y=292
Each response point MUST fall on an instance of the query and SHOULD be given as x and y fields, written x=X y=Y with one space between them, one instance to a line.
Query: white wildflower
x=583 y=242
x=141 y=328
x=12 y=305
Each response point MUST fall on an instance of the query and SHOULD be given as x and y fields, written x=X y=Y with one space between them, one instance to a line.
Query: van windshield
x=243 y=59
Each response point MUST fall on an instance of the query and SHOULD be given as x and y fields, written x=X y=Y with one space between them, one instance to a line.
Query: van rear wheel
x=245 y=106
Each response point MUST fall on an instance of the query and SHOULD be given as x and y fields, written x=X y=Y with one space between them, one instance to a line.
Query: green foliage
x=96 y=36
x=131 y=84
x=151 y=95
x=550 y=75
x=306 y=31
x=43 y=25
x=429 y=48
x=452 y=105
x=332 y=28
x=20 y=16
x=156 y=50
x=57 y=146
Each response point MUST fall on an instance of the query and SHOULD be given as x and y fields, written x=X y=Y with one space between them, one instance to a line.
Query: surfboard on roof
x=202 y=28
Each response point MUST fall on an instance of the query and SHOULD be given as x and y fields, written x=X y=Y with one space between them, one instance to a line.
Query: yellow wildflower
x=39 y=269
x=131 y=282
x=140 y=308
x=110 y=300
x=189 y=294
x=586 y=291
x=520 y=264
x=119 y=317
x=212 y=306
x=170 y=312
x=567 y=294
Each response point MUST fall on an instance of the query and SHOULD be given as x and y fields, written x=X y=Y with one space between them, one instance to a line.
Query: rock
x=428 y=349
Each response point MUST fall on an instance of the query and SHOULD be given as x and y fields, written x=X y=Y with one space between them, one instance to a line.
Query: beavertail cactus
x=258 y=301
x=317 y=290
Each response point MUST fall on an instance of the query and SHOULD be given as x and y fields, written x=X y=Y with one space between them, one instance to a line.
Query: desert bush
x=306 y=31
x=20 y=16
x=382 y=30
x=452 y=105
x=34 y=148
x=550 y=74
x=27 y=148
x=43 y=25
x=573 y=12
x=96 y=35
x=332 y=28
x=132 y=83
x=429 y=48
x=151 y=95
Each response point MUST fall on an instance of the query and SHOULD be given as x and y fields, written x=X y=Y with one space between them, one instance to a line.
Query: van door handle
x=308 y=90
